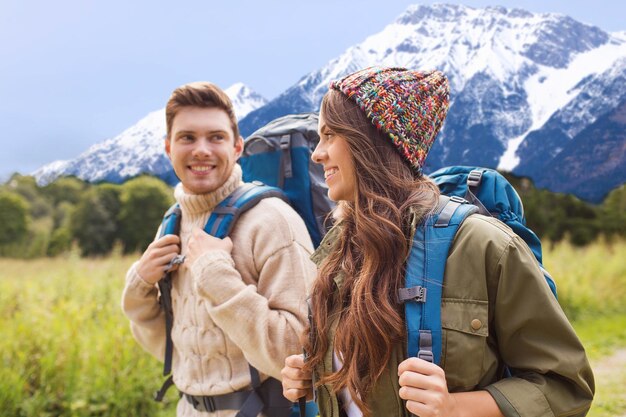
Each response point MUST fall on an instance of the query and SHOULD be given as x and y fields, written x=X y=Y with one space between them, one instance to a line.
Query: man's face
x=202 y=148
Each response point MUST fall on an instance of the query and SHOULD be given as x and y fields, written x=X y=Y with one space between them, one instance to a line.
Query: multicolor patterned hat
x=410 y=106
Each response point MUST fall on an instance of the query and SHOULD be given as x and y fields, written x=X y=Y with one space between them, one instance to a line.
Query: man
x=237 y=302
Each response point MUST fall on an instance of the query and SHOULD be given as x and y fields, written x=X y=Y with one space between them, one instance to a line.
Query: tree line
x=95 y=218
x=557 y=216
x=70 y=214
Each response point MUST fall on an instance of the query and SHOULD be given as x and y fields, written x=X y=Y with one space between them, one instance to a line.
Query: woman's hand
x=296 y=382
x=423 y=386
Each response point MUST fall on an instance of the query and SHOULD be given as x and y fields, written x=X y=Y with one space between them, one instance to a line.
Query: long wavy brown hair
x=373 y=244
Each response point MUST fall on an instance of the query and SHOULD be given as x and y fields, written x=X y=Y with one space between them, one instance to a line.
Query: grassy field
x=66 y=348
x=592 y=290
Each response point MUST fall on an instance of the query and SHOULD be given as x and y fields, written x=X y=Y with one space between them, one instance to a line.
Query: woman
x=376 y=127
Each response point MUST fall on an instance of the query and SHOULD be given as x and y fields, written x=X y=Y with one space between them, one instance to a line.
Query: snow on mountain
x=463 y=42
x=138 y=149
x=524 y=88
x=586 y=118
x=510 y=71
x=244 y=99
x=552 y=89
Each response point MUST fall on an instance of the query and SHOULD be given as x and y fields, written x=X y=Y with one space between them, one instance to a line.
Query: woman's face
x=334 y=154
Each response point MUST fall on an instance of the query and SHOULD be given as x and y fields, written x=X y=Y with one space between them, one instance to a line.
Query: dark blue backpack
x=494 y=196
x=279 y=155
x=465 y=190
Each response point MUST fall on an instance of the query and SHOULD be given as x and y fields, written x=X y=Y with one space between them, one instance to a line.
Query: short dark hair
x=199 y=94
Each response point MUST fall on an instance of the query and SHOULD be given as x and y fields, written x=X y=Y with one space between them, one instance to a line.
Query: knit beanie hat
x=409 y=106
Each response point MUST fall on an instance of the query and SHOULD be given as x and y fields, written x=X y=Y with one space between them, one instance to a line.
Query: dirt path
x=607 y=366
x=610 y=376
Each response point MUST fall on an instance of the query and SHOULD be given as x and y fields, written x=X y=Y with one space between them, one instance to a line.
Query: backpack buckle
x=425 y=351
x=176 y=260
x=417 y=294
x=208 y=403
x=458 y=199
x=420 y=296
x=426 y=355
x=474 y=178
x=203 y=403
x=285 y=141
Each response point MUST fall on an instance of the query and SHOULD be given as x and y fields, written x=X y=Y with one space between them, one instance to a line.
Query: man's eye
x=186 y=138
x=218 y=137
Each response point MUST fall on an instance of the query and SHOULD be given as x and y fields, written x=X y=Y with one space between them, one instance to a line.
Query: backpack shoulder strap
x=220 y=224
x=245 y=197
x=170 y=225
x=424 y=276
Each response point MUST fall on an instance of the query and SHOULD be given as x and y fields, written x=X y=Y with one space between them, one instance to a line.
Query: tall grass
x=66 y=348
x=590 y=280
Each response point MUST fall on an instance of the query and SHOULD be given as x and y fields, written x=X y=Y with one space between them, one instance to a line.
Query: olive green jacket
x=497 y=310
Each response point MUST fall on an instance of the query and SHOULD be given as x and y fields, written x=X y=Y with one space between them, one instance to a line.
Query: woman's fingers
x=424 y=388
x=294 y=395
x=295 y=361
x=420 y=366
x=296 y=382
x=293 y=369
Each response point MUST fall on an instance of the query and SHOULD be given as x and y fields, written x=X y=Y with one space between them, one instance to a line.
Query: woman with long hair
x=507 y=347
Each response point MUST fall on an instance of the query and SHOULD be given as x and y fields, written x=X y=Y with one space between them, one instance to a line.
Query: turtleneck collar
x=194 y=204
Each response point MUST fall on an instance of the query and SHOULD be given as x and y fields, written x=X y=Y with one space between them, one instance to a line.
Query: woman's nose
x=318 y=154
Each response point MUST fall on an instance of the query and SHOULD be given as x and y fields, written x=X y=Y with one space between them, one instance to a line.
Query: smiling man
x=238 y=302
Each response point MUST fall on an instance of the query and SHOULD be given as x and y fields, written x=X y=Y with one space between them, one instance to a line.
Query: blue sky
x=77 y=72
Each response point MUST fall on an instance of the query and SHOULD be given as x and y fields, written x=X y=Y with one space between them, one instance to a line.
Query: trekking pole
x=302 y=400
x=305 y=355
x=302 y=406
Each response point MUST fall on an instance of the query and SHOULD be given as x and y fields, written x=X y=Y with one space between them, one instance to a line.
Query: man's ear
x=167 y=147
x=238 y=147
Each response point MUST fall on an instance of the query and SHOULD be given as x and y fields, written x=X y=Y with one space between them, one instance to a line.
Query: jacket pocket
x=464 y=340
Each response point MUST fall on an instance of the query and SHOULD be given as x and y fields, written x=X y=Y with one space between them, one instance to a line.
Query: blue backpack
x=465 y=190
x=279 y=155
x=494 y=196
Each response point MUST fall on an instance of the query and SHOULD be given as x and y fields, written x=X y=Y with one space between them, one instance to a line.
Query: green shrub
x=60 y=241
x=144 y=201
x=14 y=212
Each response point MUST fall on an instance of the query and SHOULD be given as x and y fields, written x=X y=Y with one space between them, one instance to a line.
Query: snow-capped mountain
x=244 y=99
x=523 y=85
x=528 y=91
x=138 y=149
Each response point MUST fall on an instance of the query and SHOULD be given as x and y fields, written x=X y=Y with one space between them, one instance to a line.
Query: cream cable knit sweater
x=229 y=310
